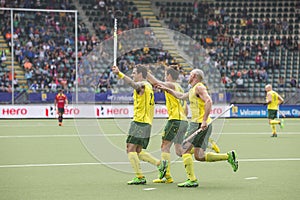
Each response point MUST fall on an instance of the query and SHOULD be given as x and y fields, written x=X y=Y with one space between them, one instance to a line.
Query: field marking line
x=127 y=163
x=116 y=135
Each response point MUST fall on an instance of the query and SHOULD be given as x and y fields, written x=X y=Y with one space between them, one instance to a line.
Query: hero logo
x=216 y=111
x=14 y=111
x=51 y=111
x=112 y=111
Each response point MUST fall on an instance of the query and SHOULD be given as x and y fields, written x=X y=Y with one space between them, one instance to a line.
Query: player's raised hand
x=115 y=70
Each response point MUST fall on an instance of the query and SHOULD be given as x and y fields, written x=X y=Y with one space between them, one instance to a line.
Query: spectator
x=34 y=86
x=281 y=82
x=239 y=83
x=225 y=80
x=293 y=82
x=263 y=75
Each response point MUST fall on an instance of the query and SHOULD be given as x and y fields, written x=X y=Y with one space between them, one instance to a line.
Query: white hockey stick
x=189 y=138
x=115 y=41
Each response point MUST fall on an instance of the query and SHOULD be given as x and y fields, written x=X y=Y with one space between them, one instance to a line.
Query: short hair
x=173 y=72
x=199 y=73
x=142 y=69
x=268 y=87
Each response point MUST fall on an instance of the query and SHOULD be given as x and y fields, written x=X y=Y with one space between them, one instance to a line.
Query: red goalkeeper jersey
x=60 y=100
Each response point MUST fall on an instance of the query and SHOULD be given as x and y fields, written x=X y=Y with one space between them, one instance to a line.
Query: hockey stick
x=115 y=41
x=200 y=129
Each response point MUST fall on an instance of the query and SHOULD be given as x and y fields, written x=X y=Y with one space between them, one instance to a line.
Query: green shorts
x=175 y=130
x=139 y=134
x=272 y=114
x=201 y=139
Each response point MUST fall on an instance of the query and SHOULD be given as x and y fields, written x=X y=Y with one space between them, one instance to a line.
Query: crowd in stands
x=242 y=40
x=44 y=43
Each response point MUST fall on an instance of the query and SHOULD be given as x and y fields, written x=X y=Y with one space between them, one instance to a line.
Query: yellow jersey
x=274 y=103
x=143 y=105
x=176 y=107
x=197 y=105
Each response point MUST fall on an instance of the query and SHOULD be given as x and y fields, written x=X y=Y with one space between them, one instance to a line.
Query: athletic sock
x=60 y=119
x=192 y=151
x=189 y=166
x=135 y=163
x=212 y=157
x=273 y=129
x=147 y=157
x=167 y=156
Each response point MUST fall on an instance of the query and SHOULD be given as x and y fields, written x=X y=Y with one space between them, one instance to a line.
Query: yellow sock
x=167 y=156
x=135 y=163
x=273 y=122
x=212 y=157
x=189 y=166
x=273 y=129
x=147 y=157
x=192 y=150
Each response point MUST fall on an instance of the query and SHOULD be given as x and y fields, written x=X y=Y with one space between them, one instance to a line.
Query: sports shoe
x=188 y=183
x=274 y=135
x=232 y=160
x=214 y=146
x=281 y=123
x=164 y=180
x=137 y=181
x=162 y=168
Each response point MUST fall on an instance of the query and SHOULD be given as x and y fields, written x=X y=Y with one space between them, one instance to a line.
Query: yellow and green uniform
x=273 y=106
x=177 y=122
x=197 y=106
x=140 y=128
x=273 y=109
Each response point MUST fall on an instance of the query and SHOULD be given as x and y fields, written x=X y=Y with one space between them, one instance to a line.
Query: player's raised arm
x=127 y=79
x=154 y=81
x=178 y=95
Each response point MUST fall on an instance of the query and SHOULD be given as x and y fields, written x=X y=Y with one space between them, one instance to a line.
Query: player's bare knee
x=199 y=157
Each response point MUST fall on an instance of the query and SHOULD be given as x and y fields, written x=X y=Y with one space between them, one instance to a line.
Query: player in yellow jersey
x=201 y=105
x=140 y=128
x=177 y=121
x=273 y=100
x=177 y=124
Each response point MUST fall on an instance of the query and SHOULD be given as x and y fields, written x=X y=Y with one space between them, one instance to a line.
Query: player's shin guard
x=147 y=157
x=273 y=129
x=213 y=157
x=189 y=166
x=135 y=163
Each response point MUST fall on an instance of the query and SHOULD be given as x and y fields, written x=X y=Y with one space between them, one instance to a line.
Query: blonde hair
x=199 y=74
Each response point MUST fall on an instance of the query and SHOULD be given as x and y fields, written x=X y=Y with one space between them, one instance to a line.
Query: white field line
x=127 y=163
x=117 y=135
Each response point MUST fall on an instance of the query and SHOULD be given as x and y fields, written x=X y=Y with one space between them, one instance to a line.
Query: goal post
x=12 y=10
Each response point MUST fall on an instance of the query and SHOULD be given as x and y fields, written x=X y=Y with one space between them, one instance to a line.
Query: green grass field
x=40 y=160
